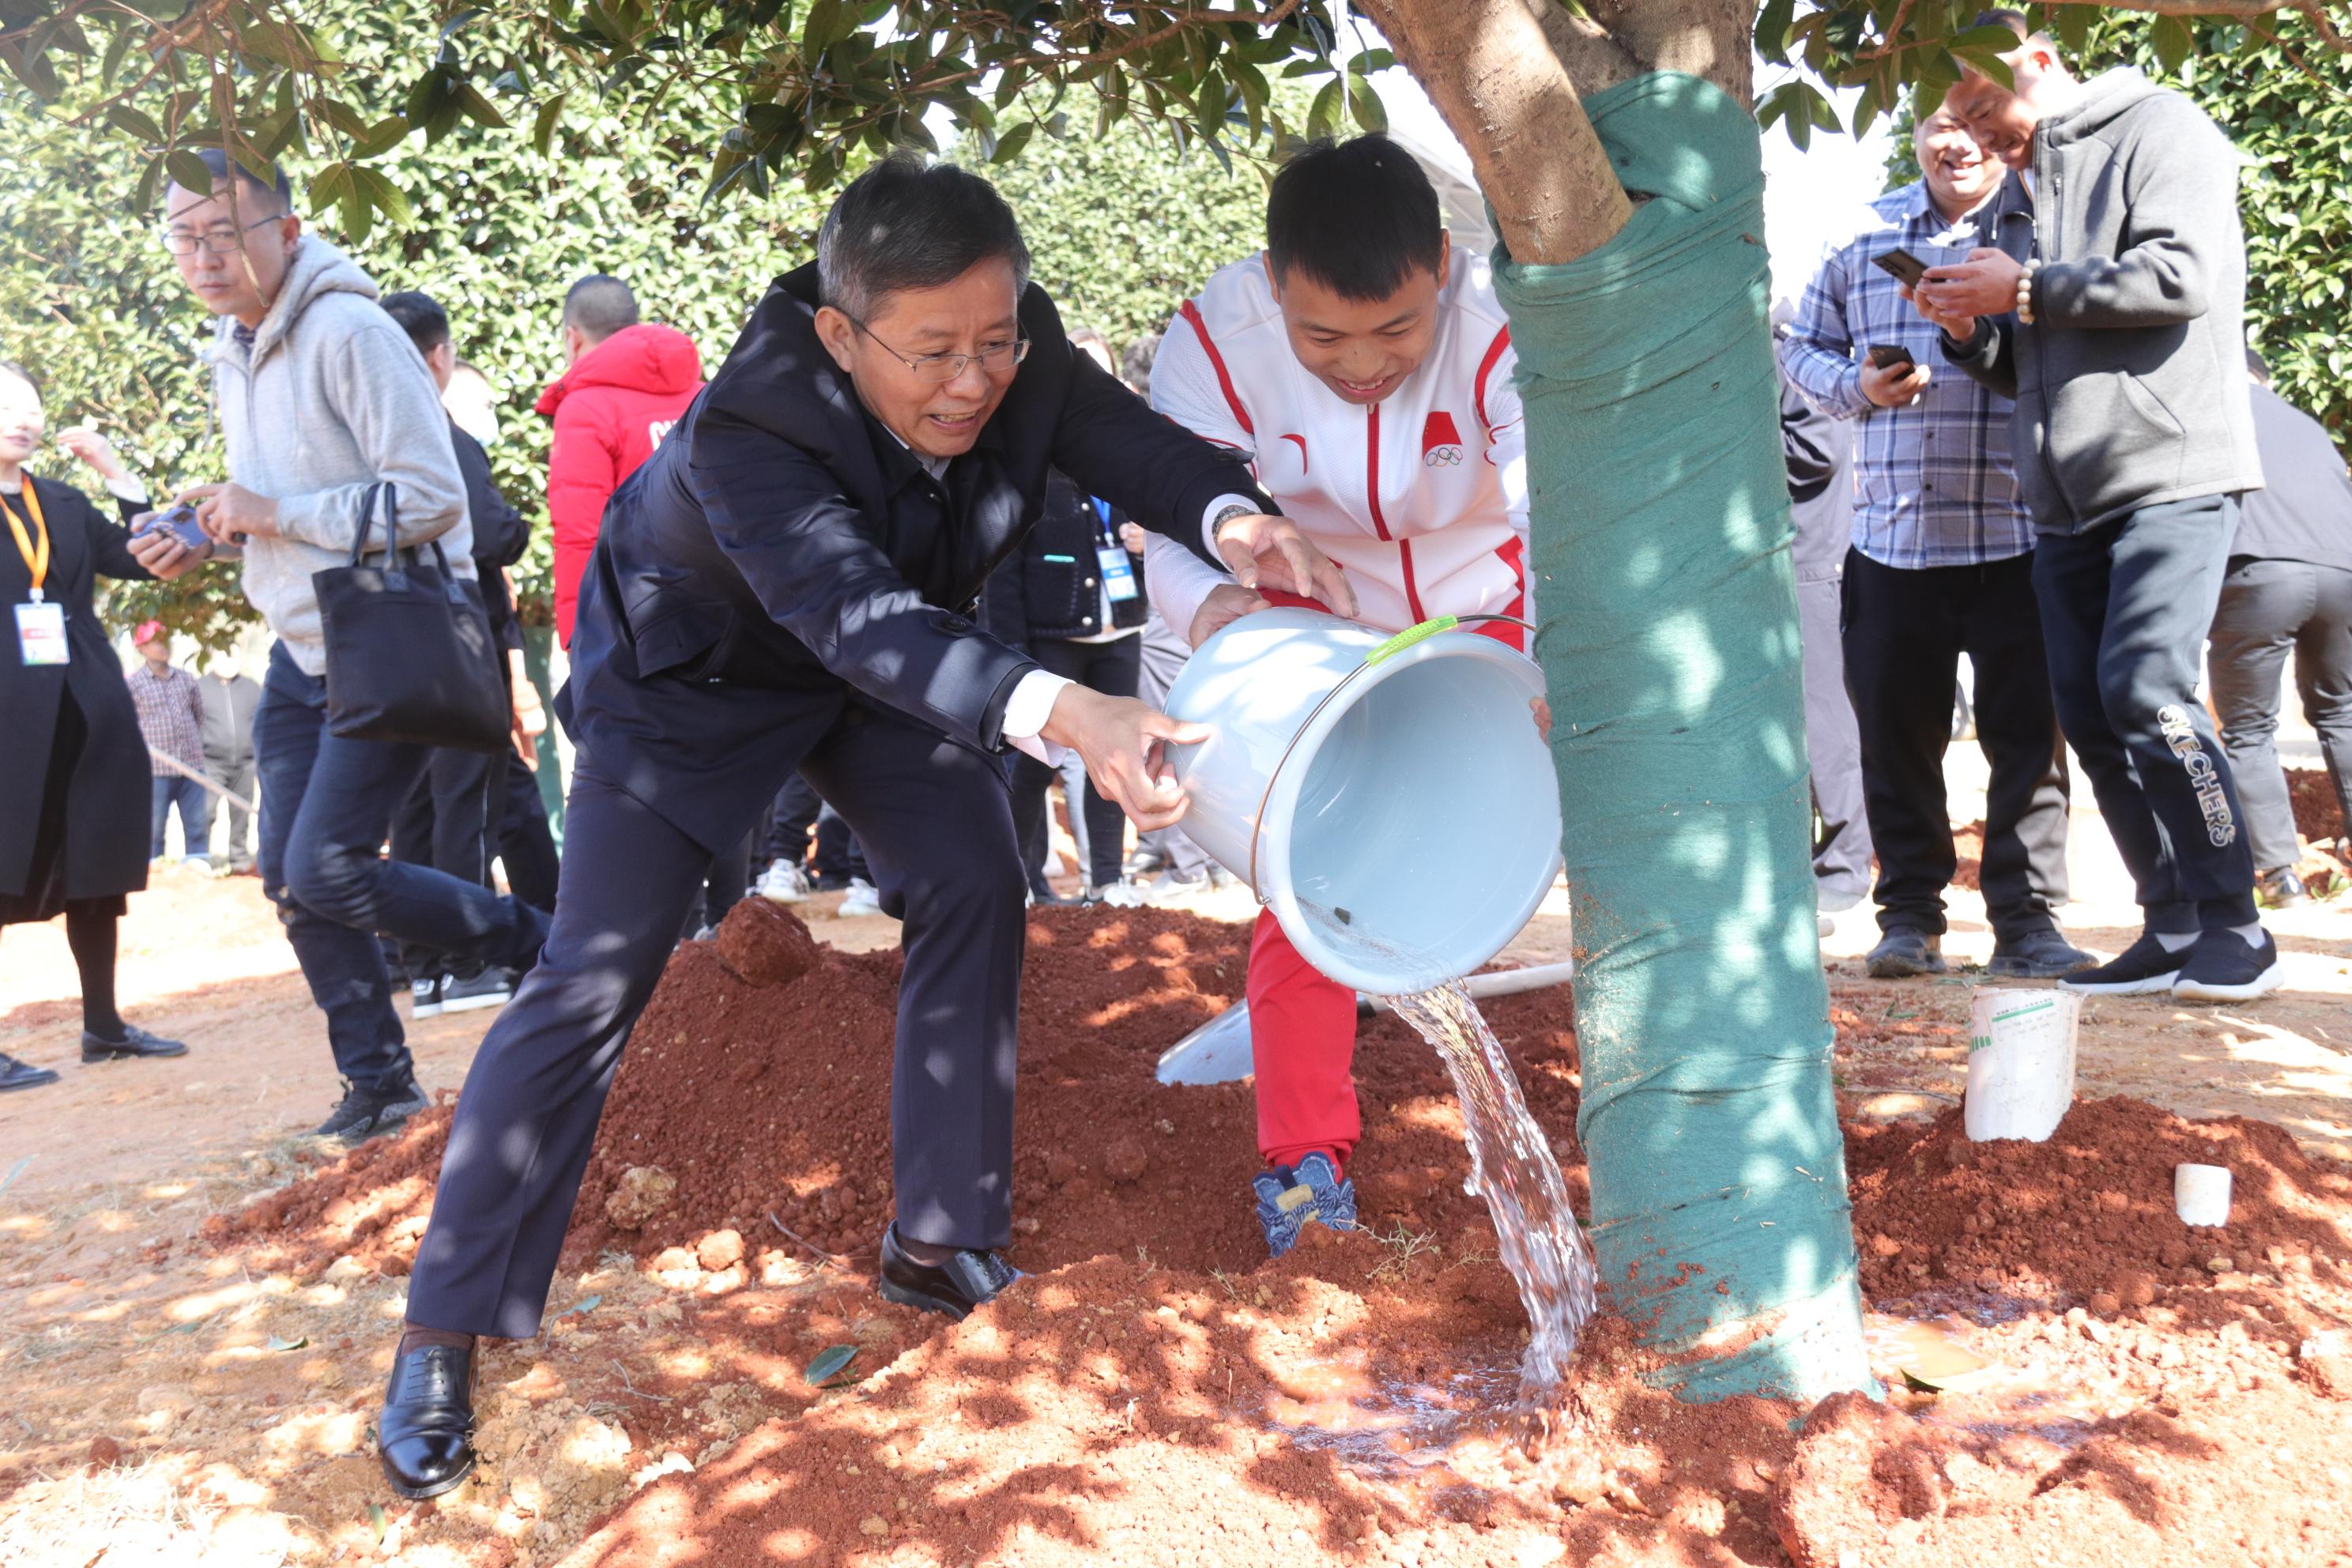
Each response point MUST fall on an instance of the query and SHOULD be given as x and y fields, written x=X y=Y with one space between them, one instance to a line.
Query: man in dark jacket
x=788 y=584
x=2108 y=301
x=450 y=821
x=2289 y=589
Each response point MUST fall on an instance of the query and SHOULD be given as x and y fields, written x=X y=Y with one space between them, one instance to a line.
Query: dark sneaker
x=2280 y=890
x=2144 y=967
x=1904 y=952
x=14 y=1074
x=2222 y=967
x=490 y=988
x=135 y=1042
x=1288 y=1198
x=2038 y=955
x=964 y=1281
x=367 y=1113
x=424 y=997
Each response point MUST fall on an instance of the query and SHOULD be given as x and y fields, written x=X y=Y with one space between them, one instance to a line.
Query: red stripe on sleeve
x=1485 y=368
x=1192 y=313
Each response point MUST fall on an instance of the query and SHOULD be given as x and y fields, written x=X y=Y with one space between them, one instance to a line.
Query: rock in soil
x=765 y=943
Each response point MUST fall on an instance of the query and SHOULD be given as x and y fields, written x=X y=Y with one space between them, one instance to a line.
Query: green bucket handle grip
x=1412 y=635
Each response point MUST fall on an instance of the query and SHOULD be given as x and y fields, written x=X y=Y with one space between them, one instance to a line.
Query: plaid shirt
x=171 y=716
x=1932 y=485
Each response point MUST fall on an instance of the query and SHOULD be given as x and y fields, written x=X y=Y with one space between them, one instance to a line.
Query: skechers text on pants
x=2125 y=607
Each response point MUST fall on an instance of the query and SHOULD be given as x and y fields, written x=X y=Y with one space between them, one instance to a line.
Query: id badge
x=1117 y=573
x=41 y=632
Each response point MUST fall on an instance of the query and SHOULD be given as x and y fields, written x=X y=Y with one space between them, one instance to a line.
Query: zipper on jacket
x=1372 y=496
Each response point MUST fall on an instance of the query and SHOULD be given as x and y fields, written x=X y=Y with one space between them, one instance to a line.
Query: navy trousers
x=937 y=825
x=2125 y=609
x=327 y=803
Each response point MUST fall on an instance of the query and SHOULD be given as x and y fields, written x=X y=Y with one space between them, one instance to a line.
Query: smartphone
x=1886 y=356
x=180 y=522
x=1903 y=266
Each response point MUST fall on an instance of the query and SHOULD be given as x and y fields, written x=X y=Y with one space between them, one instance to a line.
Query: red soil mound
x=2087 y=1211
x=2318 y=814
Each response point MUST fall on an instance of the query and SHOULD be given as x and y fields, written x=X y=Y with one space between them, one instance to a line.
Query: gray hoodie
x=329 y=398
x=2131 y=383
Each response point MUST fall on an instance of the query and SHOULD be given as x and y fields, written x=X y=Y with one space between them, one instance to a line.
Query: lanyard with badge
x=40 y=626
x=1118 y=570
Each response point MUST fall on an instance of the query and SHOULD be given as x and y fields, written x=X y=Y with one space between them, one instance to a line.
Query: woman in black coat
x=74 y=795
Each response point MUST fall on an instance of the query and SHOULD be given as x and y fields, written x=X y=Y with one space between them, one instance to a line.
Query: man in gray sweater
x=321 y=395
x=2108 y=301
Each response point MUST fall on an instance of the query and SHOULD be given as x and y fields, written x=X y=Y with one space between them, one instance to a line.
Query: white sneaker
x=1124 y=894
x=782 y=883
x=861 y=899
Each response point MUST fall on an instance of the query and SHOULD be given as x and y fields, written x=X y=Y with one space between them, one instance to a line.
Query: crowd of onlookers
x=2062 y=510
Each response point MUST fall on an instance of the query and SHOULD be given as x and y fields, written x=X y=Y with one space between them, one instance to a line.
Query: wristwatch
x=1217 y=524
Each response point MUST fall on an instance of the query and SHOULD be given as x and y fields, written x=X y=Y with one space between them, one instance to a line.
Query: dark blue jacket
x=1051 y=589
x=782 y=548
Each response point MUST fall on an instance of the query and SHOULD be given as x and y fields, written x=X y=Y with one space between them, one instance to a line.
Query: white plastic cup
x=2020 y=1062
x=2200 y=1194
x=1413 y=822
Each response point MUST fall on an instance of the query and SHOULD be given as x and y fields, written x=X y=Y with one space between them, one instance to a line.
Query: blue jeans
x=326 y=806
x=195 y=803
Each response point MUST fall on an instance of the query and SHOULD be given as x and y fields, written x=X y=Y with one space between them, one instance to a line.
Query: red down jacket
x=611 y=409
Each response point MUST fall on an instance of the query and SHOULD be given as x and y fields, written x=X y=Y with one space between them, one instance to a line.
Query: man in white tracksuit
x=1365 y=367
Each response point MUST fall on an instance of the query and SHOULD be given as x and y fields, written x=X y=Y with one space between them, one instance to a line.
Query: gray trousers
x=237 y=779
x=2268 y=609
x=1833 y=746
x=1164 y=653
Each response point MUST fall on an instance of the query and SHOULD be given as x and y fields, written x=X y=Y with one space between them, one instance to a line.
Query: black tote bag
x=409 y=655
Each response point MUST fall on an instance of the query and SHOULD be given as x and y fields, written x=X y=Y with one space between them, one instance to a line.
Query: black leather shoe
x=955 y=1287
x=14 y=1074
x=135 y=1042
x=424 y=1434
x=1904 y=952
x=2038 y=955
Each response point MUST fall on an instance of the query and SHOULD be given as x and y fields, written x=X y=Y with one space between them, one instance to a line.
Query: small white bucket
x=2020 y=1062
x=1404 y=830
x=2200 y=1194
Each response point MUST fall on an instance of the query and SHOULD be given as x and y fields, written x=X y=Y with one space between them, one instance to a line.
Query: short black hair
x=1135 y=365
x=1358 y=216
x=904 y=224
x=2257 y=366
x=1081 y=336
x=420 y=315
x=600 y=305
x=276 y=193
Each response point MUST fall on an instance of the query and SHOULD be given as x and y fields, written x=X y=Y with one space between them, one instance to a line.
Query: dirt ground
x=2111 y=1389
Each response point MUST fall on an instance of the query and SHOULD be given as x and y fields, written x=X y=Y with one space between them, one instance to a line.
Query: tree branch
x=1490 y=68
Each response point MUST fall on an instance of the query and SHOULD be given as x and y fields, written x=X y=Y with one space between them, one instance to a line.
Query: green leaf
x=122 y=117
x=382 y=137
x=383 y=196
x=188 y=170
x=32 y=67
x=278 y=1342
x=543 y=123
x=479 y=109
x=2174 y=42
x=1008 y=145
x=830 y=1364
x=583 y=1306
x=824 y=24
x=1323 y=114
x=1917 y=1384
x=1365 y=104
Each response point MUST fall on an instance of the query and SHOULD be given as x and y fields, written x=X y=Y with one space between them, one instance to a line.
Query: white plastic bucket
x=2020 y=1062
x=2200 y=1194
x=1413 y=823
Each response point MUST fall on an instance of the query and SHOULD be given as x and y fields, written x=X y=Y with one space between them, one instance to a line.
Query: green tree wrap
x=1669 y=639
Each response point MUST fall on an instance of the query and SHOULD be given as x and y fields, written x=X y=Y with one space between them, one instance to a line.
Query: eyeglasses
x=992 y=360
x=219 y=241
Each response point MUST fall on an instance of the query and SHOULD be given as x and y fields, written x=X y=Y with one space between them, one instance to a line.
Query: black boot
x=1904 y=952
x=955 y=1287
x=424 y=1434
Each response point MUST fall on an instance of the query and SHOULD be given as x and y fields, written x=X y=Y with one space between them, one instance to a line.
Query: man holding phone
x=1941 y=565
x=2107 y=296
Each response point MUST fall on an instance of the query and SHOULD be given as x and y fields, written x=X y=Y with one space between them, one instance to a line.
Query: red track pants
x=1303 y=1026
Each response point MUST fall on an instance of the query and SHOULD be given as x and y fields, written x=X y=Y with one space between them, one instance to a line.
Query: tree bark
x=1491 y=68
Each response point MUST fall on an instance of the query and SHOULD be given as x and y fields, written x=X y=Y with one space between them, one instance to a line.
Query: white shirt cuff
x=1209 y=519
x=129 y=489
x=1025 y=713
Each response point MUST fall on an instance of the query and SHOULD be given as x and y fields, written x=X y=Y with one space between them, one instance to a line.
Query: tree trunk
x=1670 y=643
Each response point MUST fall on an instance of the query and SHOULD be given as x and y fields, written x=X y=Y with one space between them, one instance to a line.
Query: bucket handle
x=1396 y=645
